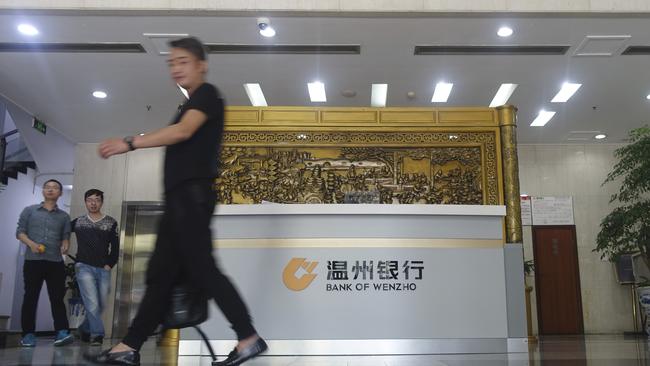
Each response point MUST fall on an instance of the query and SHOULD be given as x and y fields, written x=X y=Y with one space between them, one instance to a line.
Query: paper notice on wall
x=552 y=210
x=526 y=211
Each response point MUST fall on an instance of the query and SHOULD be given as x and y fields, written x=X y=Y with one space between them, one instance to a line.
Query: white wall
x=17 y=195
x=136 y=176
x=3 y=117
x=578 y=171
x=16 y=149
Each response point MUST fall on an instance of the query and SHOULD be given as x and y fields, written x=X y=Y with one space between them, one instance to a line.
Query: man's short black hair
x=94 y=192
x=191 y=45
x=55 y=181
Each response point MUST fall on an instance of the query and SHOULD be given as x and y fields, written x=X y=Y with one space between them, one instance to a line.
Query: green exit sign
x=39 y=126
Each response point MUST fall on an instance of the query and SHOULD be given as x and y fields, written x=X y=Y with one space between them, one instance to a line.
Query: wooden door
x=557 y=280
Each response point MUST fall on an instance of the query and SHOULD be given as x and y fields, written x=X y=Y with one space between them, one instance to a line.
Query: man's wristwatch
x=129 y=141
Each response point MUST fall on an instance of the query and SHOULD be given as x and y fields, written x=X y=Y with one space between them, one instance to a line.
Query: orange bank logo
x=298 y=283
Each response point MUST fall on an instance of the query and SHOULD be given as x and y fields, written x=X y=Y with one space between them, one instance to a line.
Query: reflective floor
x=550 y=351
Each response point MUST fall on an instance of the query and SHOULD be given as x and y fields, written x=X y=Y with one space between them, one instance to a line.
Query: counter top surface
x=360 y=209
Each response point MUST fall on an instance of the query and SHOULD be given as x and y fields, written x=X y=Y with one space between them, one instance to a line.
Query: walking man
x=98 y=247
x=45 y=230
x=184 y=241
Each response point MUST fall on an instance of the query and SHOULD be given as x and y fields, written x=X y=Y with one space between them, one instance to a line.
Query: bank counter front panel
x=355 y=279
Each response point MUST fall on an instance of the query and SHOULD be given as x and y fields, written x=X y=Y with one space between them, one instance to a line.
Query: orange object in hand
x=41 y=248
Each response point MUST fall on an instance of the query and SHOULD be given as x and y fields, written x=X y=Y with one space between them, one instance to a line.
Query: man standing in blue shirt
x=45 y=230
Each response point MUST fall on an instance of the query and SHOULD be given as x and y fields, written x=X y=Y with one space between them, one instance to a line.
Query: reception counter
x=370 y=279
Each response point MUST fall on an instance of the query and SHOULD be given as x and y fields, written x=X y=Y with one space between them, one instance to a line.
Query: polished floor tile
x=550 y=351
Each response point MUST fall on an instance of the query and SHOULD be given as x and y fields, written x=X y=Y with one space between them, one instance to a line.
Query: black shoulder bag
x=188 y=308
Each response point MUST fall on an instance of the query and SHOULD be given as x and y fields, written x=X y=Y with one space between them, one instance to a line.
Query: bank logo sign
x=355 y=276
x=290 y=278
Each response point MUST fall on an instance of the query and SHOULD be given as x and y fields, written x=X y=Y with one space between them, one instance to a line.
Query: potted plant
x=71 y=284
x=75 y=304
x=627 y=228
x=529 y=269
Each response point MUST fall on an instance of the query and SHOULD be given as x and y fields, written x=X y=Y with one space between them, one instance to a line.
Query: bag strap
x=207 y=343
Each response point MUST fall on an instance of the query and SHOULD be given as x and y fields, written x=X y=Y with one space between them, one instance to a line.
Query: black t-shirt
x=197 y=157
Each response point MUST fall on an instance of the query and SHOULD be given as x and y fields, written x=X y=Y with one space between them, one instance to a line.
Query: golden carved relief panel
x=361 y=166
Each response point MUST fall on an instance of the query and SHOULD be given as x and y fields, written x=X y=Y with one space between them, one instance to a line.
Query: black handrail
x=4 y=136
x=3 y=151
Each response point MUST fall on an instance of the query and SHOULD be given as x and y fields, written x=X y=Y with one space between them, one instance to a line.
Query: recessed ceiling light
x=99 y=94
x=27 y=29
x=566 y=92
x=503 y=94
x=647 y=96
x=255 y=95
x=505 y=32
x=317 y=91
x=600 y=136
x=543 y=118
x=442 y=92
x=184 y=91
x=379 y=94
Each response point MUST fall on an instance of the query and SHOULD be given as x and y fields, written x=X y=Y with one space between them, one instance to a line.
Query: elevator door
x=140 y=225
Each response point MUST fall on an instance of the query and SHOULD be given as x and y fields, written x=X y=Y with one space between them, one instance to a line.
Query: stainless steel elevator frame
x=138 y=218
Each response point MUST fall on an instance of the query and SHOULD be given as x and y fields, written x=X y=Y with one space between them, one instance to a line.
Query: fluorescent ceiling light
x=379 y=94
x=99 y=94
x=567 y=91
x=184 y=91
x=317 y=91
x=27 y=29
x=600 y=136
x=255 y=95
x=503 y=94
x=505 y=32
x=543 y=118
x=441 y=94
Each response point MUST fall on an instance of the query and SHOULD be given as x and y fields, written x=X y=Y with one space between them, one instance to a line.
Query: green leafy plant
x=529 y=267
x=627 y=228
x=71 y=281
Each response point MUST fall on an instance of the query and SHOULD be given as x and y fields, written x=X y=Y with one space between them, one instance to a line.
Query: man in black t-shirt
x=98 y=247
x=184 y=241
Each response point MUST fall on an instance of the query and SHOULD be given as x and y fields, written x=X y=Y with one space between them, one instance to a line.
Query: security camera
x=263 y=23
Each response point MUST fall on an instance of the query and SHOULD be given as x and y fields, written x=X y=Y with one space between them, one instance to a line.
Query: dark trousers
x=184 y=248
x=34 y=273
